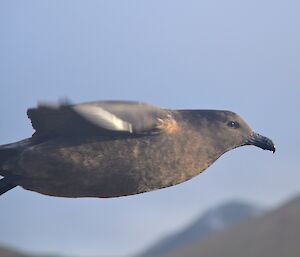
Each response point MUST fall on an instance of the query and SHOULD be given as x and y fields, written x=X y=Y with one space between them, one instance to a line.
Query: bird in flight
x=117 y=148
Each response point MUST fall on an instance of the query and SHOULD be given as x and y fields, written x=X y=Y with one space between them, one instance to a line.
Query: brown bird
x=118 y=148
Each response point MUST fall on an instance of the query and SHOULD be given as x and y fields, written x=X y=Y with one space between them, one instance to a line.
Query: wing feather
x=95 y=117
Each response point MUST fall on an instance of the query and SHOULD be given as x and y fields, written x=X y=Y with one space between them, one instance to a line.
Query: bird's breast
x=106 y=168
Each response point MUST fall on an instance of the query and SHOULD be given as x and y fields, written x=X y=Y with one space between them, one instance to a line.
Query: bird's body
x=111 y=149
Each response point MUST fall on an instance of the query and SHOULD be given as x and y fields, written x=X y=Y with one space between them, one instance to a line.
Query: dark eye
x=233 y=124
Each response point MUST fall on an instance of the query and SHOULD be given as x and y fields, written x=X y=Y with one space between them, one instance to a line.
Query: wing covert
x=96 y=117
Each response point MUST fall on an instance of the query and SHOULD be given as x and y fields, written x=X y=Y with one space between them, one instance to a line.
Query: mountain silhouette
x=214 y=220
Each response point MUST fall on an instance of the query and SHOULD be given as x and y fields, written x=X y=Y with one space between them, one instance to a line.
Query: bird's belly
x=105 y=169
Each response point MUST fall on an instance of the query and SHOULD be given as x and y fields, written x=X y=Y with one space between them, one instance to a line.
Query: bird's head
x=228 y=130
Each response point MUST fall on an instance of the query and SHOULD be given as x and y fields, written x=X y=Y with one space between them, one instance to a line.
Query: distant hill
x=275 y=234
x=10 y=252
x=212 y=221
x=7 y=252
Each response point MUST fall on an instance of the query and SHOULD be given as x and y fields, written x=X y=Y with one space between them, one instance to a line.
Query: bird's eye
x=233 y=124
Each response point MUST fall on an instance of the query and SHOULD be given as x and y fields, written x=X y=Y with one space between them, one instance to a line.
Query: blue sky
x=242 y=56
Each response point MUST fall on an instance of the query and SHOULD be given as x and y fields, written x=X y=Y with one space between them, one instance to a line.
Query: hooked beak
x=261 y=142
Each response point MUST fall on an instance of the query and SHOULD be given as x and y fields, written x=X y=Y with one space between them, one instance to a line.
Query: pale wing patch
x=168 y=124
x=102 y=118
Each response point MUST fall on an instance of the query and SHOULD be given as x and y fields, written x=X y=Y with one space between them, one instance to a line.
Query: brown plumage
x=111 y=149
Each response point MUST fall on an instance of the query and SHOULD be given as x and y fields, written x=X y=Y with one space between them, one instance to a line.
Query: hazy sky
x=238 y=55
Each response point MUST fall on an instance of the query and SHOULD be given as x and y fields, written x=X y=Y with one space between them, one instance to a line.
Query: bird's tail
x=6 y=184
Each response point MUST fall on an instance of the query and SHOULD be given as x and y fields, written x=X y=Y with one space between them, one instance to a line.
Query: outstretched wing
x=96 y=117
